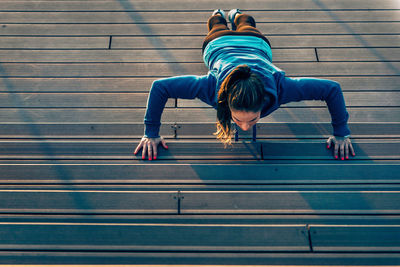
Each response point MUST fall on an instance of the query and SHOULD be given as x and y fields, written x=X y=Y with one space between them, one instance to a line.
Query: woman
x=243 y=85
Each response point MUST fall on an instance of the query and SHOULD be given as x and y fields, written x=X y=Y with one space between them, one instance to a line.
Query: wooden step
x=386 y=149
x=128 y=17
x=113 y=85
x=273 y=28
x=124 y=202
x=152 y=237
x=203 y=173
x=203 y=5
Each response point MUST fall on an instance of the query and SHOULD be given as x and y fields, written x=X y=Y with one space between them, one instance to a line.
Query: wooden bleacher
x=74 y=80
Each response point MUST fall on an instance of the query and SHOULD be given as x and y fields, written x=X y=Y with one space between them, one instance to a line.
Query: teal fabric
x=235 y=41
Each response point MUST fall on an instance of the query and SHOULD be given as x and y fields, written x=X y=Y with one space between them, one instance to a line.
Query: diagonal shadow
x=349 y=202
x=44 y=148
x=156 y=42
x=357 y=37
x=361 y=40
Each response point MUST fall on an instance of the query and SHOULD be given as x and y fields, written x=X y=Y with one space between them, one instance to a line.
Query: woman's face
x=245 y=119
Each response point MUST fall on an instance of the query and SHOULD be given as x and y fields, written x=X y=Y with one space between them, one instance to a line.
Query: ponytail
x=241 y=90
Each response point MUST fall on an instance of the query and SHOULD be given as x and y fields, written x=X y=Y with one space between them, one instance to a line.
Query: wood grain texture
x=194 y=55
x=59 y=149
x=291 y=202
x=353 y=99
x=141 y=70
x=129 y=56
x=207 y=219
x=139 y=100
x=131 y=5
x=97 y=115
x=360 y=238
x=87 y=202
x=308 y=149
x=277 y=41
x=159 y=172
x=356 y=54
x=23 y=42
x=77 y=100
x=283 y=149
x=80 y=130
x=199 y=258
x=111 y=85
x=77 y=85
x=289 y=130
x=116 y=130
x=196 y=29
x=153 y=237
x=196 y=16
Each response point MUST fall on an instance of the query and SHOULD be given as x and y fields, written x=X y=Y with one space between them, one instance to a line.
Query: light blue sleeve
x=185 y=87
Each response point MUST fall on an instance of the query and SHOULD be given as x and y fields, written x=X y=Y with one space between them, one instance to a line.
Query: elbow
x=334 y=91
x=335 y=87
x=158 y=89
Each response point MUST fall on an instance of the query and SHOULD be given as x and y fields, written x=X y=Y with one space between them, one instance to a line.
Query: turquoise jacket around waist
x=224 y=54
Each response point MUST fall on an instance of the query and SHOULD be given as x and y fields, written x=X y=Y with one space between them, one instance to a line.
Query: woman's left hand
x=342 y=146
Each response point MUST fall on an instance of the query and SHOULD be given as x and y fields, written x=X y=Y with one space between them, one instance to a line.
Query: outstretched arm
x=186 y=87
x=297 y=89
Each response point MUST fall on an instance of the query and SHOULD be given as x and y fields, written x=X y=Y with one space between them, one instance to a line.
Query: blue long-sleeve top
x=224 y=54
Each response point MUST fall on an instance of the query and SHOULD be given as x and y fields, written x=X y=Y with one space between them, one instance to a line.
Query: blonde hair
x=241 y=90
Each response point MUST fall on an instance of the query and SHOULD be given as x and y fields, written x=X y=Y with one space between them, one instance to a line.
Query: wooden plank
x=190 y=130
x=201 y=150
x=193 y=55
x=367 y=83
x=290 y=202
x=108 y=85
x=312 y=149
x=71 y=42
x=159 y=173
x=107 y=70
x=353 y=99
x=153 y=237
x=124 y=150
x=206 y=219
x=282 y=115
x=292 y=41
x=76 y=100
x=120 y=149
x=87 y=202
x=340 y=69
x=206 y=187
x=133 y=5
x=76 y=115
x=360 y=238
x=139 y=100
x=196 y=16
x=78 y=85
x=356 y=54
x=96 y=56
x=293 y=115
x=104 y=70
x=199 y=258
x=282 y=130
x=196 y=29
x=80 y=130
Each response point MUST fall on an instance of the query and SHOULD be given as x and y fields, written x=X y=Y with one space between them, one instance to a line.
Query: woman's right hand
x=149 y=146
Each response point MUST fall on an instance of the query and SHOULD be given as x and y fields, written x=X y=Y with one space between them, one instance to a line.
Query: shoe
x=231 y=15
x=219 y=11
